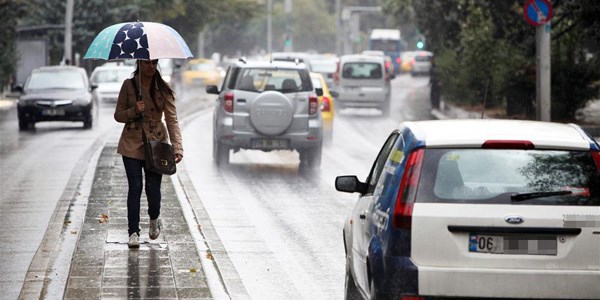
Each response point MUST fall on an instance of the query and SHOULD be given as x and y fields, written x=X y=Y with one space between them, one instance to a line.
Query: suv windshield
x=267 y=79
x=55 y=80
x=494 y=175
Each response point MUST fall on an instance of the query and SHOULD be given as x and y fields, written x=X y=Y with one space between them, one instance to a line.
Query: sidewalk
x=104 y=267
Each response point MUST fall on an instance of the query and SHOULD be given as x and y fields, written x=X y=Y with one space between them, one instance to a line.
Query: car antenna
x=487 y=83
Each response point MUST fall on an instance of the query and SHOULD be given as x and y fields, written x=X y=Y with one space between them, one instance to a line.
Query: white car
x=109 y=78
x=477 y=208
x=422 y=63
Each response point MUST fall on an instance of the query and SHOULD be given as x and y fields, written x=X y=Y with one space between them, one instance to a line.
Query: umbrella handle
x=139 y=96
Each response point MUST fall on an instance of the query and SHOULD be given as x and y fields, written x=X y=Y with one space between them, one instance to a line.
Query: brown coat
x=130 y=142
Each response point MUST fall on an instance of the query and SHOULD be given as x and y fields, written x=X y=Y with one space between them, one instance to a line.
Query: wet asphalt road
x=281 y=228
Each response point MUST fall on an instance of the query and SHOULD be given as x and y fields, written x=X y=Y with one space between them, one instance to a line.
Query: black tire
x=220 y=153
x=311 y=157
x=23 y=125
x=351 y=291
x=88 y=122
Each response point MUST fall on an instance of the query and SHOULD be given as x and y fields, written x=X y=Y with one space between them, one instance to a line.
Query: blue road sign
x=537 y=12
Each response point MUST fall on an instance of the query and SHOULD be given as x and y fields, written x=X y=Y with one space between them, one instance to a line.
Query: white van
x=362 y=83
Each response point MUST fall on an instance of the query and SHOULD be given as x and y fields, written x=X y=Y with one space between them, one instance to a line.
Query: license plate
x=270 y=144
x=53 y=112
x=513 y=244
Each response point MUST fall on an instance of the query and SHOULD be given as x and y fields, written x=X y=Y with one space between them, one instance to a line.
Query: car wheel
x=311 y=157
x=23 y=125
x=220 y=153
x=271 y=113
x=351 y=292
x=87 y=123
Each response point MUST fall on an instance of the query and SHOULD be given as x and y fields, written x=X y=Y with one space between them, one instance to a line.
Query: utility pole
x=543 y=82
x=287 y=8
x=338 y=28
x=68 y=56
x=269 y=27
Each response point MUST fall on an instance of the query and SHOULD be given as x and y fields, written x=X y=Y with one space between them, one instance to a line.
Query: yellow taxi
x=325 y=101
x=201 y=72
x=408 y=60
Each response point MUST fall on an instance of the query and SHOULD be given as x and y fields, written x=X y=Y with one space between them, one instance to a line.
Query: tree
x=10 y=12
x=477 y=42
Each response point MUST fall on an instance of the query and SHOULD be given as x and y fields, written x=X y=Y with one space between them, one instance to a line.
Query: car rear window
x=361 y=70
x=423 y=58
x=56 y=80
x=265 y=79
x=509 y=176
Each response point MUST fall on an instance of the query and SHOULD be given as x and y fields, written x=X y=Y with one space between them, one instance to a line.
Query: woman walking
x=157 y=98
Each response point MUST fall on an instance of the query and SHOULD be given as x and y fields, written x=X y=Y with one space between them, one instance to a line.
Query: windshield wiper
x=533 y=195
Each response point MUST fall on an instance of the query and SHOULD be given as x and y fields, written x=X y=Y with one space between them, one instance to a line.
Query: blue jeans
x=133 y=169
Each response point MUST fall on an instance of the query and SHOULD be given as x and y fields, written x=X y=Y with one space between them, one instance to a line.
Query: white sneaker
x=134 y=240
x=154 y=231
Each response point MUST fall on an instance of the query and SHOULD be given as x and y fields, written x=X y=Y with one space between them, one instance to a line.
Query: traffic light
x=420 y=44
x=420 y=41
x=288 y=41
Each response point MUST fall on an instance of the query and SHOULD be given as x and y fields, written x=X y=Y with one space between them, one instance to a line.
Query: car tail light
x=326 y=104
x=313 y=104
x=228 y=102
x=412 y=298
x=507 y=144
x=596 y=157
x=408 y=189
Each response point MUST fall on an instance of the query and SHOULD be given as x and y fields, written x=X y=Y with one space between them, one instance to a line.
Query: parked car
x=477 y=208
x=267 y=106
x=56 y=93
x=363 y=83
x=326 y=103
x=201 y=72
x=108 y=80
x=422 y=63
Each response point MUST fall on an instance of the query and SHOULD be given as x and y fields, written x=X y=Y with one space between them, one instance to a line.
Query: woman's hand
x=178 y=158
x=139 y=106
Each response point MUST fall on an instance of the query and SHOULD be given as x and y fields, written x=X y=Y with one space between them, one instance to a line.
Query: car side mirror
x=334 y=94
x=350 y=184
x=94 y=86
x=212 y=89
x=18 y=88
x=319 y=91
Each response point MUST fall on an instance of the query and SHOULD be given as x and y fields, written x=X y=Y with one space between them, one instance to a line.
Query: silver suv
x=267 y=106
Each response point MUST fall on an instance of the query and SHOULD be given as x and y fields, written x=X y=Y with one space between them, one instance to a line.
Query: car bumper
x=510 y=283
x=237 y=139
x=60 y=113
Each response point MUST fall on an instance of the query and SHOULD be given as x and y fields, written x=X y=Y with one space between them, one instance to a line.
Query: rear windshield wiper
x=533 y=195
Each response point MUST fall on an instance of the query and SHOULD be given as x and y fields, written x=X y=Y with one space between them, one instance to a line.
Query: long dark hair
x=157 y=83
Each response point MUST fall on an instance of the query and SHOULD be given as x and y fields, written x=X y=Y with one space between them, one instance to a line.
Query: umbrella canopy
x=138 y=40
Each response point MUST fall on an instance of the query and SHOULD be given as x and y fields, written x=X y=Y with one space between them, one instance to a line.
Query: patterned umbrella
x=138 y=40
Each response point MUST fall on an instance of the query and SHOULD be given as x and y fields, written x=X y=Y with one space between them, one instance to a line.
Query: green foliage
x=10 y=13
x=483 y=43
